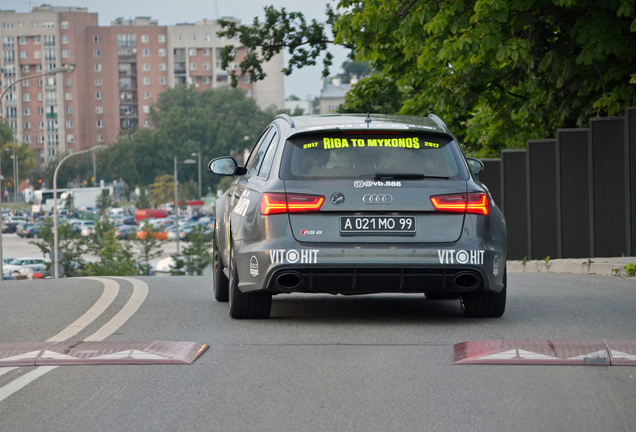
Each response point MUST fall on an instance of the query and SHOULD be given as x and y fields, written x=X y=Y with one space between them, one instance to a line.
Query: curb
x=616 y=267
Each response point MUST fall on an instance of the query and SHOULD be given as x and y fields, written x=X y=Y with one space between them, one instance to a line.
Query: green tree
x=104 y=201
x=195 y=256
x=351 y=68
x=188 y=190
x=115 y=258
x=25 y=155
x=78 y=169
x=142 y=201
x=162 y=190
x=304 y=41
x=499 y=72
x=149 y=248
x=185 y=120
x=72 y=246
x=374 y=94
x=69 y=204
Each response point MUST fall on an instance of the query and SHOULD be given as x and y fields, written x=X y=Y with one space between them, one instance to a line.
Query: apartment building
x=119 y=70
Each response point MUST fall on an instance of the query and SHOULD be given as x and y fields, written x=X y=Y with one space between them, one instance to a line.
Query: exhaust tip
x=466 y=281
x=289 y=280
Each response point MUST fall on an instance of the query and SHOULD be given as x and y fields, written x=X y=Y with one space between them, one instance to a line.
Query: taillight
x=476 y=203
x=37 y=275
x=276 y=203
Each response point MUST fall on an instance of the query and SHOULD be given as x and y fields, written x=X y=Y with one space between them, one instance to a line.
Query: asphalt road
x=323 y=363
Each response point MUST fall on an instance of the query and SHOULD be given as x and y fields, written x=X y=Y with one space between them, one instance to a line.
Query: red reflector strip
x=474 y=204
x=276 y=203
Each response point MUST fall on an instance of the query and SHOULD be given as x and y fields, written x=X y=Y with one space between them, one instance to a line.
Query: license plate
x=377 y=225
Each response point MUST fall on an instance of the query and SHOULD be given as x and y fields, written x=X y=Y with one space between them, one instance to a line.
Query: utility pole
x=94 y=171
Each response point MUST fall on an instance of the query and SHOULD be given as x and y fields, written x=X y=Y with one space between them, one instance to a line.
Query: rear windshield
x=352 y=155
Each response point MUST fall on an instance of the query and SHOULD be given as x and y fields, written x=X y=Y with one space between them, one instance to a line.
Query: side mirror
x=225 y=166
x=476 y=166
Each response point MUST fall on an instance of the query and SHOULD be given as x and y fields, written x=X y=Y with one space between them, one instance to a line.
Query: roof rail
x=438 y=121
x=287 y=118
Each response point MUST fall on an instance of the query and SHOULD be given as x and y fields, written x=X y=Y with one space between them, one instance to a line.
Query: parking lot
x=17 y=247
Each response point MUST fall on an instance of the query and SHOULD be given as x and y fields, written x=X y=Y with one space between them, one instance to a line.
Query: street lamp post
x=176 y=204
x=15 y=177
x=176 y=197
x=53 y=71
x=198 y=155
x=56 y=260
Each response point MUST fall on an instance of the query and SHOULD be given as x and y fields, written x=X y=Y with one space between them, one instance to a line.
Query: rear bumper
x=290 y=266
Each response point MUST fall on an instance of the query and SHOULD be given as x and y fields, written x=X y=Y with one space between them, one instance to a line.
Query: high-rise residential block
x=119 y=70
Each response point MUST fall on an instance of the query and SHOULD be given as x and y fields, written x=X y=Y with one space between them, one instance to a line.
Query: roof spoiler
x=438 y=121
x=287 y=118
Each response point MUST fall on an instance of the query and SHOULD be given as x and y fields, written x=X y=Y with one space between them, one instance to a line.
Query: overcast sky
x=169 y=12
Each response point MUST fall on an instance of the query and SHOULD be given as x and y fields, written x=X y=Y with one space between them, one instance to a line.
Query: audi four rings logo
x=377 y=199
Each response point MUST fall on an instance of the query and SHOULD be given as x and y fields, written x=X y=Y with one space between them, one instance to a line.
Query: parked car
x=31 y=272
x=32 y=230
x=78 y=225
x=8 y=226
x=129 y=220
x=27 y=229
x=85 y=228
x=126 y=232
x=357 y=204
x=18 y=263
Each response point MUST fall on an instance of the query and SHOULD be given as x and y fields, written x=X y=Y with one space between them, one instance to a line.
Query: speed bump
x=109 y=352
x=547 y=352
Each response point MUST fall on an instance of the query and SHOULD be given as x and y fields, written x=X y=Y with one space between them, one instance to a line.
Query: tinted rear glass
x=363 y=155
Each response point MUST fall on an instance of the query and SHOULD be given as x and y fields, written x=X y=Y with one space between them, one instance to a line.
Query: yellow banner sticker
x=337 y=143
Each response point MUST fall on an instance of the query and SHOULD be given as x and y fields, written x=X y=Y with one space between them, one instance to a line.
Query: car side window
x=269 y=157
x=259 y=152
x=254 y=152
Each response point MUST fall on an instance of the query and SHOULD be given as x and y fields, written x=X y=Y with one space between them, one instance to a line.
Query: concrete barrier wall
x=573 y=193
x=570 y=197
x=542 y=198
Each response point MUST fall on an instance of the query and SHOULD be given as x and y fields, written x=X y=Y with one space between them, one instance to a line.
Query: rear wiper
x=392 y=176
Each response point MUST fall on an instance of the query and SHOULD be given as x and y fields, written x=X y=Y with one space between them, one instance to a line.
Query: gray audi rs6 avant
x=357 y=204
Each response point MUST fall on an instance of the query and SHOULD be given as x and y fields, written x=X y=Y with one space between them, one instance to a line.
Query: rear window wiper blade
x=397 y=176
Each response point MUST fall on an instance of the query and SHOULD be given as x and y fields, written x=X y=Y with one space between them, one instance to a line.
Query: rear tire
x=254 y=305
x=220 y=283
x=482 y=304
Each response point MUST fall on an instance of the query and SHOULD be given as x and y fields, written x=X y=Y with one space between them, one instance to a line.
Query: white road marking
x=22 y=381
x=33 y=354
x=623 y=356
x=113 y=356
x=6 y=370
x=47 y=354
x=111 y=290
x=140 y=292
x=596 y=354
x=142 y=355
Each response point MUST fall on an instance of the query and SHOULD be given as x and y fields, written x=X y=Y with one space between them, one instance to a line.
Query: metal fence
x=573 y=196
